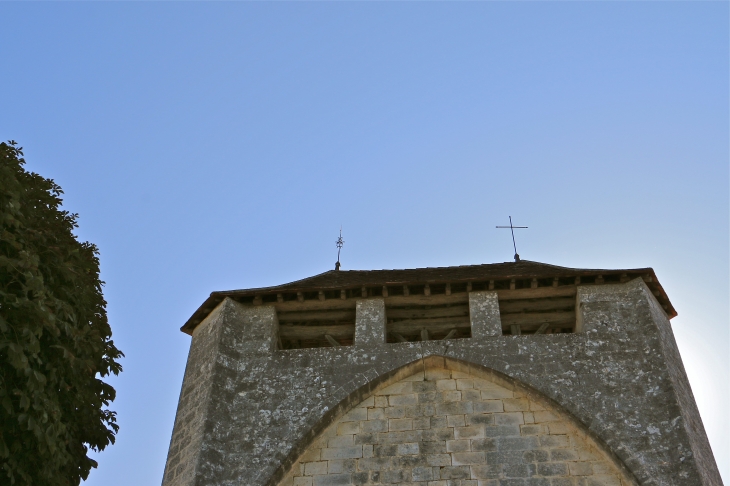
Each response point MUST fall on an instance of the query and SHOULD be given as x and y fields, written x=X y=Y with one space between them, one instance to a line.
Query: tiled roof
x=344 y=279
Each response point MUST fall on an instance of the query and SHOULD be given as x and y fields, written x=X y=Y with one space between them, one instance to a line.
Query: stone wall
x=248 y=411
x=441 y=427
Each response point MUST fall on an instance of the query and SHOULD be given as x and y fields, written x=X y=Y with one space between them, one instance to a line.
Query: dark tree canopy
x=55 y=341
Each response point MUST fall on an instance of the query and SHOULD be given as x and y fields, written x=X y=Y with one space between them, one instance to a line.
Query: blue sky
x=213 y=146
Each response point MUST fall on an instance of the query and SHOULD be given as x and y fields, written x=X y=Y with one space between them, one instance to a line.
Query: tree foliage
x=55 y=340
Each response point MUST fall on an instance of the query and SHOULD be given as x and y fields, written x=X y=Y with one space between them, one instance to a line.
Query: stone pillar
x=484 y=314
x=230 y=334
x=608 y=308
x=370 y=322
x=629 y=314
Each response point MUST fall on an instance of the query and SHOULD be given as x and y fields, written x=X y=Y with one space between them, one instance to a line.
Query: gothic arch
x=439 y=419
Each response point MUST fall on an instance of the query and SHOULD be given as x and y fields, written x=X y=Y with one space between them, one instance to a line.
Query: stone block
x=400 y=424
x=438 y=459
x=508 y=418
x=314 y=468
x=455 y=472
x=470 y=432
x=370 y=322
x=516 y=404
x=409 y=399
x=486 y=471
x=333 y=480
x=409 y=448
x=342 y=452
x=341 y=441
x=395 y=412
x=488 y=406
x=462 y=445
x=580 y=468
x=552 y=469
x=479 y=419
x=455 y=420
x=484 y=315
x=375 y=414
x=467 y=458
x=375 y=426
x=443 y=385
x=348 y=428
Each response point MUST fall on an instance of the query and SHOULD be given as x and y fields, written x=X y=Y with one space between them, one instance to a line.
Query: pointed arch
x=401 y=426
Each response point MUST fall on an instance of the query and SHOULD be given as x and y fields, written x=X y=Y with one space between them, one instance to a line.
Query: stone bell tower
x=511 y=374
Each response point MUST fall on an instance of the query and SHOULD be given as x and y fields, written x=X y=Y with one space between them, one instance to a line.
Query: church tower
x=510 y=374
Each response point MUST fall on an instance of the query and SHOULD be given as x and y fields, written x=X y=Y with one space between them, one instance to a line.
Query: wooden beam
x=325 y=315
x=491 y=285
x=448 y=289
x=468 y=287
x=543 y=327
x=331 y=340
x=294 y=331
x=440 y=299
x=450 y=334
x=438 y=326
x=385 y=290
x=515 y=329
x=556 y=282
x=321 y=295
x=537 y=318
x=280 y=298
x=406 y=292
x=424 y=334
x=538 y=293
x=532 y=305
x=314 y=305
x=364 y=292
x=453 y=311
x=399 y=337
x=426 y=289
x=343 y=294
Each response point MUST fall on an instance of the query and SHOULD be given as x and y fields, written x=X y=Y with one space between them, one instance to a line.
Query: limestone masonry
x=513 y=374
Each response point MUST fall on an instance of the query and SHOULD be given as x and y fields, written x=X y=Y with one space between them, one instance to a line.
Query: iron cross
x=512 y=228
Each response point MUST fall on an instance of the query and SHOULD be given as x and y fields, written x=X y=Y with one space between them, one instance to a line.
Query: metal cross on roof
x=512 y=228
x=340 y=243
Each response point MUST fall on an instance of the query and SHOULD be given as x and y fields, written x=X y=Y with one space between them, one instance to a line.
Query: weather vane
x=512 y=228
x=340 y=242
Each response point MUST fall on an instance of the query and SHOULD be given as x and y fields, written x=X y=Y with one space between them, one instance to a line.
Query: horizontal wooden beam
x=437 y=326
x=317 y=315
x=537 y=318
x=458 y=310
x=316 y=304
x=291 y=331
x=532 y=305
x=403 y=300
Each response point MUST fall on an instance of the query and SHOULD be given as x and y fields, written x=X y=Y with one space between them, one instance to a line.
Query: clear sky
x=215 y=146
